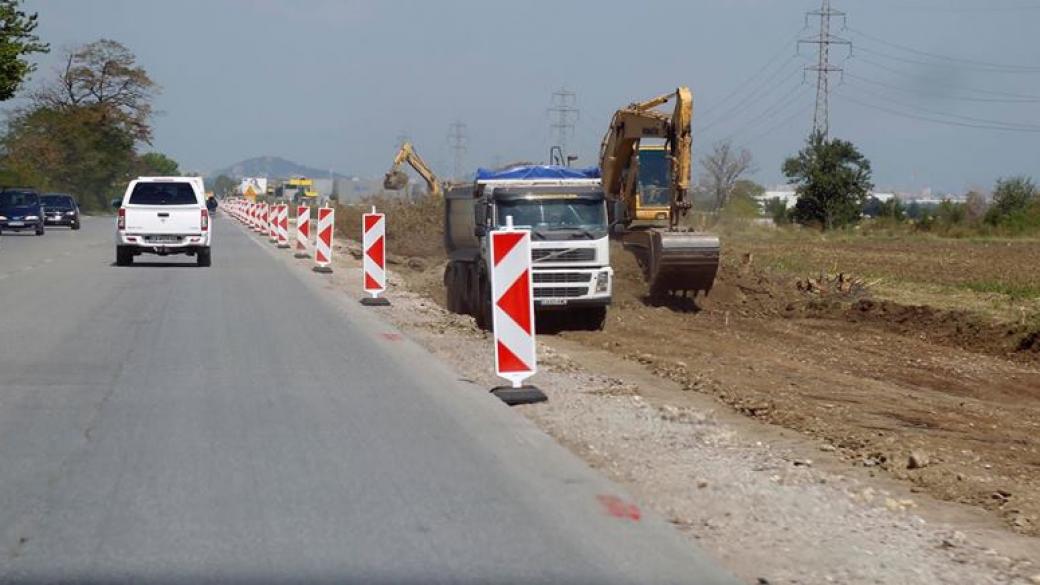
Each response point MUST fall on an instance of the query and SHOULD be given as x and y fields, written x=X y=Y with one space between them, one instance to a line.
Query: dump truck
x=566 y=211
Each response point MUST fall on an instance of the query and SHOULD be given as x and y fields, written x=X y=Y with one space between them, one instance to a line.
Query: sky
x=936 y=93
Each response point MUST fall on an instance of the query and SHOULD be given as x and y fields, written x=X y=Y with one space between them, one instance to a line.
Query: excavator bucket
x=395 y=180
x=675 y=262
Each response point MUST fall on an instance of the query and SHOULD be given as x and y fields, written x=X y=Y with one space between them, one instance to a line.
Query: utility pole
x=823 y=67
x=457 y=140
x=564 y=111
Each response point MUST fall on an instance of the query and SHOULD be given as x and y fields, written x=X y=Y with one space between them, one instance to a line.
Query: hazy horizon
x=333 y=84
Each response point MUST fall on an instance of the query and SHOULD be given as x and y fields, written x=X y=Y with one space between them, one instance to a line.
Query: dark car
x=21 y=209
x=60 y=209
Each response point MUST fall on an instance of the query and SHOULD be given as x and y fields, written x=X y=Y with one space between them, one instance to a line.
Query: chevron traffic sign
x=512 y=309
x=373 y=264
x=303 y=230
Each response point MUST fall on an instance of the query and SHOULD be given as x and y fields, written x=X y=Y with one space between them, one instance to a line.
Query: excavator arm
x=396 y=179
x=674 y=259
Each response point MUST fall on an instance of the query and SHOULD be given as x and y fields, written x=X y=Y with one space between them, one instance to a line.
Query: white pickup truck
x=163 y=215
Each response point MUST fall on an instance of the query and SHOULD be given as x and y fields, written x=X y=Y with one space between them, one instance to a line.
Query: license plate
x=165 y=239
x=16 y=223
x=554 y=302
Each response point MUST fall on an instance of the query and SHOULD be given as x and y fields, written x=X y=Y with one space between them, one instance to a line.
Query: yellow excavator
x=647 y=186
x=397 y=179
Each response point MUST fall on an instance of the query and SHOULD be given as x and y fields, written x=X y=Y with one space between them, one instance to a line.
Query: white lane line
x=48 y=260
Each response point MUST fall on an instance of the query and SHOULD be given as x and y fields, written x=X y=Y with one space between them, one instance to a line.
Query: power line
x=946 y=96
x=935 y=120
x=752 y=97
x=971 y=62
x=458 y=141
x=940 y=83
x=965 y=66
x=565 y=112
x=823 y=67
x=785 y=100
x=772 y=60
x=929 y=111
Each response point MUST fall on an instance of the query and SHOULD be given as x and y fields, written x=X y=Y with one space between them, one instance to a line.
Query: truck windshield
x=554 y=214
x=163 y=194
x=653 y=177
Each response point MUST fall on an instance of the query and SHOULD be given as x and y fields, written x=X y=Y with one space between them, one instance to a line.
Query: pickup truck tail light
x=205 y=220
x=121 y=222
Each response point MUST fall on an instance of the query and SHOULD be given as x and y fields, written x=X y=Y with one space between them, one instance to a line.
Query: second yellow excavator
x=648 y=187
x=396 y=178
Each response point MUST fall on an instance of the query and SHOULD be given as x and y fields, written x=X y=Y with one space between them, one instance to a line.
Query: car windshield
x=545 y=213
x=57 y=201
x=163 y=194
x=18 y=198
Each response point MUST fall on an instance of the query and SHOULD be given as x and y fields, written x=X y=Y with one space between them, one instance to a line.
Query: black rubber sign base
x=375 y=302
x=522 y=395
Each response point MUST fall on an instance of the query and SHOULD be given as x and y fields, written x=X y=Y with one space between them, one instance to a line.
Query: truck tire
x=483 y=308
x=203 y=257
x=451 y=288
x=124 y=256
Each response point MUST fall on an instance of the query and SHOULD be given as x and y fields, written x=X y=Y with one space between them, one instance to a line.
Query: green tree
x=776 y=208
x=1012 y=197
x=17 y=41
x=157 y=164
x=832 y=179
x=224 y=186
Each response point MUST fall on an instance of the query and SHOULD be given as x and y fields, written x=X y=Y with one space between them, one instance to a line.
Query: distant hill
x=272 y=167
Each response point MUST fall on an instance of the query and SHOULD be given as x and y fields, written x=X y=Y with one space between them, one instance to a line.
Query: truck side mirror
x=211 y=204
x=117 y=203
x=480 y=231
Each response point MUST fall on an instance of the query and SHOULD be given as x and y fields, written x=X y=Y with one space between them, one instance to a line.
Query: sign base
x=283 y=246
x=375 y=302
x=522 y=395
x=323 y=269
x=301 y=255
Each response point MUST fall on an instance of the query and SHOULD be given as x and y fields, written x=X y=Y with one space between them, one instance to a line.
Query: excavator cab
x=653 y=196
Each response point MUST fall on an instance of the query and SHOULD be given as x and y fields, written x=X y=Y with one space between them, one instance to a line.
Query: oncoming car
x=60 y=209
x=21 y=209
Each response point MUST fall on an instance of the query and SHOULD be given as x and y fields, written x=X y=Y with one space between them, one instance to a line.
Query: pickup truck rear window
x=163 y=194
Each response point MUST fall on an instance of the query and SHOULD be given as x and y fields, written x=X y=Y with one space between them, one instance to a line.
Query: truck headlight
x=602 y=282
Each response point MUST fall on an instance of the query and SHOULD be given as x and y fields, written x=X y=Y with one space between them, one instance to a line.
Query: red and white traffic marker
x=373 y=245
x=272 y=223
x=303 y=231
x=323 y=244
x=261 y=217
x=283 y=225
x=512 y=314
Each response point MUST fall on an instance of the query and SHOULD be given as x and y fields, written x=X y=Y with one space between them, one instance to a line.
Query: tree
x=224 y=186
x=105 y=74
x=723 y=168
x=17 y=41
x=832 y=179
x=1011 y=197
x=157 y=164
x=776 y=208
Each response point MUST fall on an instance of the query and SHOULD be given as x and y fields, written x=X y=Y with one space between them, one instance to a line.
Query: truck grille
x=563 y=254
x=560 y=292
x=562 y=277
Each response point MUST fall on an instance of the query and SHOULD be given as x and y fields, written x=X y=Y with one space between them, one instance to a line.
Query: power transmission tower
x=564 y=111
x=823 y=67
x=457 y=141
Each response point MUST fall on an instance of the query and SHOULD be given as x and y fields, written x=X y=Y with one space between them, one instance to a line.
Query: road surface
x=240 y=423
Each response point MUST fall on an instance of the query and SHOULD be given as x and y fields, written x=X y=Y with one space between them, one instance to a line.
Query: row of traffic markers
x=272 y=220
x=510 y=268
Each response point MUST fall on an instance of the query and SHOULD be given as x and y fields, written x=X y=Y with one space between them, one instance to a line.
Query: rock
x=701 y=484
x=917 y=460
x=1035 y=579
x=802 y=462
x=827 y=448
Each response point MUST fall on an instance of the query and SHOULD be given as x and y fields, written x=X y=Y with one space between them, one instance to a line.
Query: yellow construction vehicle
x=299 y=189
x=396 y=178
x=648 y=187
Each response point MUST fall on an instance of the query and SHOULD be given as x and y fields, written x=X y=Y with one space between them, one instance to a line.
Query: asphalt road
x=241 y=424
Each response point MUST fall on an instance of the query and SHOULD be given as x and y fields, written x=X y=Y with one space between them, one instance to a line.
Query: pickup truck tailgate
x=163 y=219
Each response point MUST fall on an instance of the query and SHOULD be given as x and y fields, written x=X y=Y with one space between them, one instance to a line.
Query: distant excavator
x=397 y=179
x=647 y=187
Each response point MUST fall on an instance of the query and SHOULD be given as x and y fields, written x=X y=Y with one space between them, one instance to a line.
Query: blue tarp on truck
x=530 y=172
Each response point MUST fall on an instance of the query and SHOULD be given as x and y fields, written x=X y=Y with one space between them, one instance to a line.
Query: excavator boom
x=396 y=179
x=637 y=177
